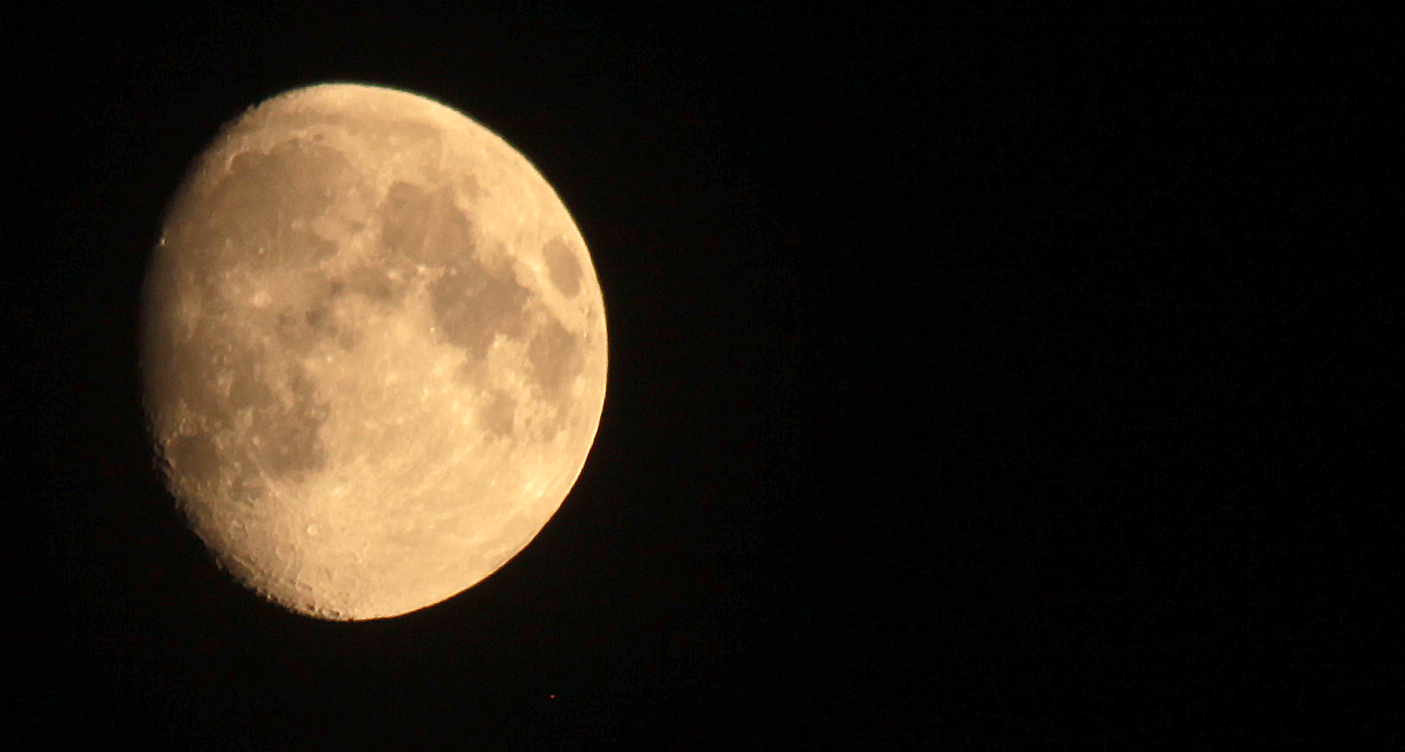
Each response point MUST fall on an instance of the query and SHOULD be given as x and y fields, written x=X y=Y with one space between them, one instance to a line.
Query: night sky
x=973 y=381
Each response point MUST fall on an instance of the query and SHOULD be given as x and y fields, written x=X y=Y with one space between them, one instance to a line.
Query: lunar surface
x=373 y=351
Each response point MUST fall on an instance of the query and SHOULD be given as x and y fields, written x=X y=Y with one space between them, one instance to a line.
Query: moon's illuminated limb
x=374 y=350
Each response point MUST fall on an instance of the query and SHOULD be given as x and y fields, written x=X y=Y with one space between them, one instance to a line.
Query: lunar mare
x=373 y=350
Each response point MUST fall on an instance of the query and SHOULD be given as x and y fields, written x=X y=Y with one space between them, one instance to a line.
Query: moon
x=373 y=351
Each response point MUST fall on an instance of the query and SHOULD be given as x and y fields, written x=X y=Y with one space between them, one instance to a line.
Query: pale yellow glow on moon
x=374 y=351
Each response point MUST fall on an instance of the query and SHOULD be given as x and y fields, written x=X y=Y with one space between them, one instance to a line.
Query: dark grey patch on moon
x=247 y=489
x=474 y=303
x=318 y=316
x=307 y=315
x=497 y=413
x=195 y=458
x=261 y=212
x=424 y=226
x=375 y=283
x=562 y=267
x=300 y=327
x=283 y=438
x=557 y=357
x=300 y=317
x=190 y=372
x=247 y=391
x=283 y=419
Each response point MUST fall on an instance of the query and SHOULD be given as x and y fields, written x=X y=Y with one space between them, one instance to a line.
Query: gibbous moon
x=373 y=351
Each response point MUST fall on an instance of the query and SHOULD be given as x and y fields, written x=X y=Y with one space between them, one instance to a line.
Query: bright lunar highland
x=373 y=351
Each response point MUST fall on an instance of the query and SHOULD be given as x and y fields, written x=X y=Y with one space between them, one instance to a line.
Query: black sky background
x=973 y=381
